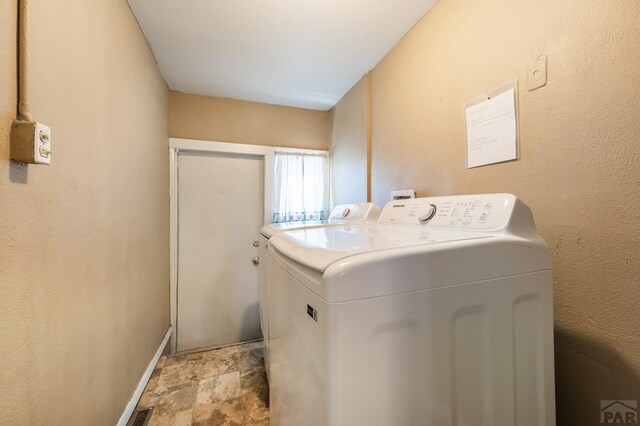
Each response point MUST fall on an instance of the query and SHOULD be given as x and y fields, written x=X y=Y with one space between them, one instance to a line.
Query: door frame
x=177 y=145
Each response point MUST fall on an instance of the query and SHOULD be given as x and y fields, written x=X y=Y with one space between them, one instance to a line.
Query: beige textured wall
x=84 y=256
x=349 y=145
x=229 y=120
x=580 y=146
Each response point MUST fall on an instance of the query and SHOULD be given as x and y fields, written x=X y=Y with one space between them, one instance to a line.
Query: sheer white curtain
x=300 y=187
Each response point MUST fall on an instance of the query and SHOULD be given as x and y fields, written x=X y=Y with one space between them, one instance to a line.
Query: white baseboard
x=124 y=418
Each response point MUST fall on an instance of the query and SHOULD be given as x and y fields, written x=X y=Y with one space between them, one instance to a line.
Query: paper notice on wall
x=492 y=130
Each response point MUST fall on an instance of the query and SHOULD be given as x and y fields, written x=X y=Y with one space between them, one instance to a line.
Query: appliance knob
x=256 y=260
x=346 y=212
x=428 y=214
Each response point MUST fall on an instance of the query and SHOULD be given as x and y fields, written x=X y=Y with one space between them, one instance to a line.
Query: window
x=300 y=187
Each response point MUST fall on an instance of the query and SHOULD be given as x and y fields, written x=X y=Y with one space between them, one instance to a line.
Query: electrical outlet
x=537 y=74
x=30 y=142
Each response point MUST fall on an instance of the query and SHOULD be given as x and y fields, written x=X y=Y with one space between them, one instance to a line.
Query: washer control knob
x=346 y=212
x=428 y=214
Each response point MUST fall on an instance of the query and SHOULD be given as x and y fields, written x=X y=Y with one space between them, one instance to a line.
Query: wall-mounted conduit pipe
x=24 y=113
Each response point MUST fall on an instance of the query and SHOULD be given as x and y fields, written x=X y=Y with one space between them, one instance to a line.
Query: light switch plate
x=42 y=145
x=537 y=74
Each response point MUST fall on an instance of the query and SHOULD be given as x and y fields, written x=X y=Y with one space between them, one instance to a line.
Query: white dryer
x=341 y=214
x=440 y=314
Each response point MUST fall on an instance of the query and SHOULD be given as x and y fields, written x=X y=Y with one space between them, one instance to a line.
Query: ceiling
x=304 y=53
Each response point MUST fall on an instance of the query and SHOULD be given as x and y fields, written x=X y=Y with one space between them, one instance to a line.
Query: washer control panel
x=354 y=212
x=485 y=211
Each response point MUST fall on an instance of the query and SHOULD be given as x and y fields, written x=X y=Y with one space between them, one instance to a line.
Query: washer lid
x=318 y=248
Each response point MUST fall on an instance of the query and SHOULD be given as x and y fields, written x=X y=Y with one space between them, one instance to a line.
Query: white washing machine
x=440 y=314
x=341 y=214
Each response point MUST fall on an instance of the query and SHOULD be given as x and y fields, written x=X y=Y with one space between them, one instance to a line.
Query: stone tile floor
x=225 y=386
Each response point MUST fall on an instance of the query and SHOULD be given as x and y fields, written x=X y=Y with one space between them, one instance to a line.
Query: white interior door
x=219 y=218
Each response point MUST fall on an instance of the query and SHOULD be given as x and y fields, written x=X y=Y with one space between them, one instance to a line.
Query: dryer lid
x=274 y=228
x=341 y=214
x=318 y=248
